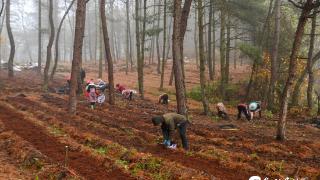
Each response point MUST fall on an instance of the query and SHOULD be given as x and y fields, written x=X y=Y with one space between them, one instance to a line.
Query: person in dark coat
x=169 y=123
x=82 y=75
x=243 y=109
x=164 y=99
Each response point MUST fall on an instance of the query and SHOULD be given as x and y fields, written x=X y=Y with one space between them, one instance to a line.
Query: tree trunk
x=12 y=45
x=227 y=67
x=64 y=43
x=112 y=39
x=151 y=52
x=184 y=22
x=2 y=8
x=97 y=30
x=177 y=63
x=127 y=36
x=179 y=29
x=171 y=76
x=157 y=42
x=292 y=69
x=169 y=39
x=56 y=57
x=101 y=52
x=164 y=43
x=202 y=59
x=49 y=48
x=210 y=40
x=274 y=57
x=141 y=60
x=253 y=72
x=297 y=87
x=71 y=24
x=116 y=46
x=138 y=44
x=318 y=98
x=266 y=26
x=131 y=47
x=222 y=50
x=137 y=22
x=1 y=26
x=235 y=54
x=196 y=38
x=89 y=39
x=39 y=38
x=309 y=63
x=108 y=52
x=213 y=42
x=77 y=54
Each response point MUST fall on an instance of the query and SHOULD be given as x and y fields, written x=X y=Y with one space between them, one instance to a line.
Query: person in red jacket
x=120 y=88
x=243 y=109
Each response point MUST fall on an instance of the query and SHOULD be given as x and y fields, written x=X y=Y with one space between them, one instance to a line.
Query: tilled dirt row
x=85 y=165
x=210 y=166
x=125 y=120
x=88 y=140
x=238 y=140
x=242 y=145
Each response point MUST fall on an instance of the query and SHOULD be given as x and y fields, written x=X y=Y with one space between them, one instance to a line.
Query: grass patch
x=101 y=150
x=152 y=166
x=189 y=154
x=268 y=114
x=275 y=166
x=214 y=153
x=56 y=131
x=33 y=162
x=122 y=163
x=254 y=156
x=215 y=118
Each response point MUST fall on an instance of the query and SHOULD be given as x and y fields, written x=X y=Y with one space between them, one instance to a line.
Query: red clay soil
x=209 y=166
x=85 y=165
x=109 y=118
x=196 y=130
x=9 y=169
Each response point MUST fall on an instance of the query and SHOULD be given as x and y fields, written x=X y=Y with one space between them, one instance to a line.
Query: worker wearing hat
x=255 y=107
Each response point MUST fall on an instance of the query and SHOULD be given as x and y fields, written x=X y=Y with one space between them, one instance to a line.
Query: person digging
x=164 y=99
x=169 y=123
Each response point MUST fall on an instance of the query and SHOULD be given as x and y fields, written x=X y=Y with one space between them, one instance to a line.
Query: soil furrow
x=209 y=166
x=85 y=165
x=135 y=121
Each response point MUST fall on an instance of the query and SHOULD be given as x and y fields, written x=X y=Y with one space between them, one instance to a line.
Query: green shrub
x=102 y=150
x=195 y=93
x=213 y=93
x=268 y=114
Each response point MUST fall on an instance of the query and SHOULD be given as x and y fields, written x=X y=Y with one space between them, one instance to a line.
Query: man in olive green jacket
x=169 y=122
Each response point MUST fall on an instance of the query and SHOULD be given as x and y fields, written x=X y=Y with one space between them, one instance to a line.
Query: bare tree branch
x=296 y=4
x=2 y=7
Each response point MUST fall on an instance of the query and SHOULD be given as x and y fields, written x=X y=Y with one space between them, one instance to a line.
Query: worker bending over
x=222 y=111
x=243 y=109
x=169 y=122
x=255 y=107
x=164 y=98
